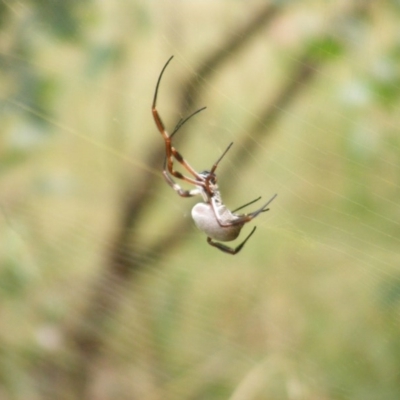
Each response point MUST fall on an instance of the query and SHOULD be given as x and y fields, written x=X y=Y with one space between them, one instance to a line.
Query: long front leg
x=170 y=151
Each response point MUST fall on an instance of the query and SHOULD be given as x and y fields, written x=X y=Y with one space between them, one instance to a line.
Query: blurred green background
x=107 y=290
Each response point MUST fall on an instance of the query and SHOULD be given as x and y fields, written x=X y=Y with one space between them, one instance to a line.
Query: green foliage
x=62 y=19
x=325 y=49
x=385 y=80
x=101 y=57
x=308 y=310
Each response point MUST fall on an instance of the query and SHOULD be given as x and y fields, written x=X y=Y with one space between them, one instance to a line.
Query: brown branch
x=124 y=259
x=263 y=126
x=231 y=47
x=135 y=203
x=306 y=69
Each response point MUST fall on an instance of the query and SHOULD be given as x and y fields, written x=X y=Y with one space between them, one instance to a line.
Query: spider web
x=108 y=291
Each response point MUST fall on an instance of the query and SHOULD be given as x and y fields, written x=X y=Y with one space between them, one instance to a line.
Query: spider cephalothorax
x=211 y=216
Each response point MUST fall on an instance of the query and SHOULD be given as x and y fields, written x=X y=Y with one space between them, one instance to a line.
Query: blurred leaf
x=4 y=10
x=390 y=293
x=100 y=57
x=325 y=48
x=387 y=93
x=395 y=4
x=37 y=92
x=60 y=18
x=385 y=80
x=10 y=159
x=13 y=278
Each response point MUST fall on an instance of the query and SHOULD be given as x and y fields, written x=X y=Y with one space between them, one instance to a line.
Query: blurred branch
x=124 y=258
x=306 y=69
x=137 y=201
x=127 y=259
x=234 y=44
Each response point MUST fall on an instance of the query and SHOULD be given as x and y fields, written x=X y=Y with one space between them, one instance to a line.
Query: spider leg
x=178 y=189
x=170 y=181
x=167 y=176
x=239 y=219
x=157 y=118
x=227 y=249
x=247 y=204
x=182 y=121
x=261 y=209
x=248 y=217
x=170 y=151
x=242 y=219
x=214 y=167
x=211 y=174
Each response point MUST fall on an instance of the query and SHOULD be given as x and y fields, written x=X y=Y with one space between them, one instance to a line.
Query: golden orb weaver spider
x=211 y=216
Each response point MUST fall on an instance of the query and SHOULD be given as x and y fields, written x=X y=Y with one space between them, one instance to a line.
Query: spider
x=211 y=216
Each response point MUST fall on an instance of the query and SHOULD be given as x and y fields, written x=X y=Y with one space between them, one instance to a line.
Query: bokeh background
x=107 y=291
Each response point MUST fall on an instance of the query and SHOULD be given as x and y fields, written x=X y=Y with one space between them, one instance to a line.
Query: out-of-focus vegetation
x=106 y=290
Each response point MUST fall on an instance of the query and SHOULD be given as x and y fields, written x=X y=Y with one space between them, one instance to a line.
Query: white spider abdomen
x=204 y=217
